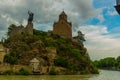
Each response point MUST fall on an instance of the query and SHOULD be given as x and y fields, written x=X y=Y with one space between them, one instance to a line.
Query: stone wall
x=63 y=29
x=21 y=30
x=29 y=28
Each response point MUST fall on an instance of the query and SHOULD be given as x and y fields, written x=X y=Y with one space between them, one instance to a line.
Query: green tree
x=10 y=28
x=11 y=60
x=118 y=59
x=118 y=62
x=108 y=62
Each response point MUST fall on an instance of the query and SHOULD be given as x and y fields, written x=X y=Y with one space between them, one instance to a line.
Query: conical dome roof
x=34 y=60
x=63 y=13
x=63 y=16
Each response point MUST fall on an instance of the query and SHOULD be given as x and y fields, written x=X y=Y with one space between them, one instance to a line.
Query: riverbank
x=110 y=69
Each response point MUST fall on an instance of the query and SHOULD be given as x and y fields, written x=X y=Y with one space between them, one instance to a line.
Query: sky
x=97 y=19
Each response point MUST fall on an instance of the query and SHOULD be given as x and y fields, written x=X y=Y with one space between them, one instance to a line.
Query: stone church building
x=63 y=27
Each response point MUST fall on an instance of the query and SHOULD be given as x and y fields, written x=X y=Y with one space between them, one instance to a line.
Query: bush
x=95 y=71
x=84 y=71
x=55 y=36
x=63 y=62
x=76 y=53
x=53 y=71
x=17 y=73
x=49 y=43
x=8 y=72
x=23 y=71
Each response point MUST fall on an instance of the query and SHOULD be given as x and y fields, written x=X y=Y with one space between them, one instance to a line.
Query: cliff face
x=65 y=55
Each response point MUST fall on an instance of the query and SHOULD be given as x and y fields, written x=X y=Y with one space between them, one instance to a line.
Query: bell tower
x=63 y=28
x=63 y=16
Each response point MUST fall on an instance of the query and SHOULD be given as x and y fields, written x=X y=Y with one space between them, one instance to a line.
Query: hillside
x=65 y=55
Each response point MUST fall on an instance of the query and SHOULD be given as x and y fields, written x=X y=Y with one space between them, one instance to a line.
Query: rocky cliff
x=66 y=56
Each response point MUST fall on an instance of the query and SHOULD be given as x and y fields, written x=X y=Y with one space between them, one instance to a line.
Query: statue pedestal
x=29 y=28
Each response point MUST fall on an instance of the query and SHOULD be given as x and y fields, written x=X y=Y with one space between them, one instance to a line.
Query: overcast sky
x=97 y=19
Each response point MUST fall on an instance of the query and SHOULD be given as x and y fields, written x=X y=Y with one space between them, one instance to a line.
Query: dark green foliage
x=84 y=71
x=23 y=71
x=95 y=70
x=10 y=28
x=53 y=71
x=97 y=63
x=40 y=34
x=55 y=36
x=8 y=72
x=108 y=63
x=63 y=62
x=76 y=53
x=118 y=59
x=10 y=59
x=118 y=62
x=49 y=43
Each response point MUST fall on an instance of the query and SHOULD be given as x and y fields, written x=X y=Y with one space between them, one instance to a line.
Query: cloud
x=112 y=13
x=101 y=18
x=99 y=43
x=46 y=11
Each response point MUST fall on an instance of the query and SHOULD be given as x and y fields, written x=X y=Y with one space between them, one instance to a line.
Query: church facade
x=63 y=28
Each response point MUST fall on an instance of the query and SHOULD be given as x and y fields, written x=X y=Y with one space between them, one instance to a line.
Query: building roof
x=34 y=60
x=63 y=13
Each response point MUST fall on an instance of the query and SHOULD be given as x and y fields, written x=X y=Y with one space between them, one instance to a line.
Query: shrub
x=23 y=71
x=84 y=71
x=17 y=73
x=76 y=53
x=63 y=62
x=53 y=71
x=95 y=71
x=8 y=72
x=55 y=36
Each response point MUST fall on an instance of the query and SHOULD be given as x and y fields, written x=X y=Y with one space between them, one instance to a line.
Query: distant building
x=63 y=28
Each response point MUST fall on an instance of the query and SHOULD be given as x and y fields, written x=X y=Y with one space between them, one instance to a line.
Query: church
x=63 y=28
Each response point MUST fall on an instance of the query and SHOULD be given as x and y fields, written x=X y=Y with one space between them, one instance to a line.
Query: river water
x=104 y=75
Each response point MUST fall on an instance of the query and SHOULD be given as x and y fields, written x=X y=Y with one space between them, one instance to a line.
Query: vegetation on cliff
x=71 y=55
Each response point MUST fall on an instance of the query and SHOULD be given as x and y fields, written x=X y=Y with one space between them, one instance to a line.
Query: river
x=104 y=75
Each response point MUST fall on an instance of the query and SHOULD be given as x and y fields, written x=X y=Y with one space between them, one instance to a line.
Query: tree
x=118 y=59
x=118 y=62
x=10 y=28
x=108 y=62
x=11 y=60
